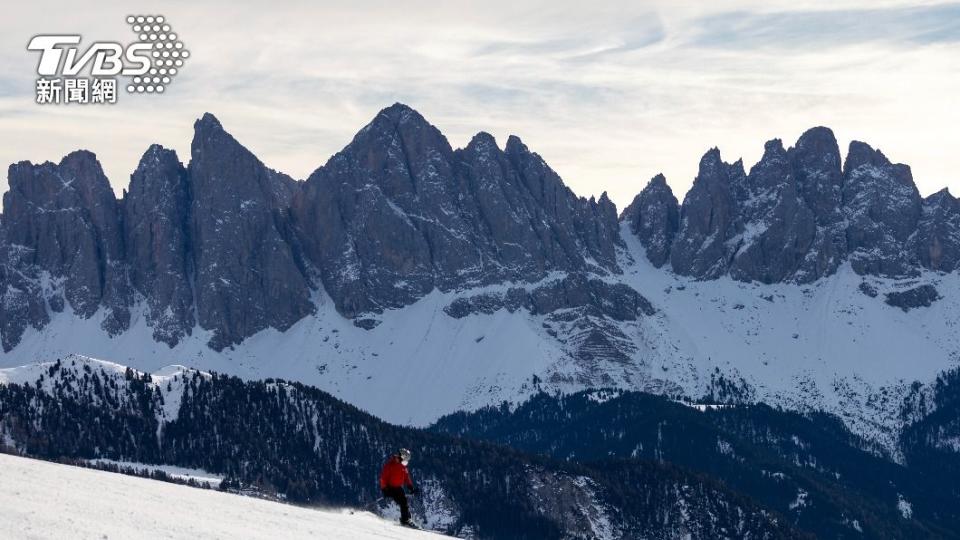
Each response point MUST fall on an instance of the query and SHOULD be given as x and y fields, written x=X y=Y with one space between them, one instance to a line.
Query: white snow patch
x=800 y=501
x=904 y=506
x=48 y=500
x=180 y=473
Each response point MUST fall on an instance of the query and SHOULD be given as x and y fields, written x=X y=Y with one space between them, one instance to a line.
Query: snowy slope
x=47 y=500
x=169 y=381
x=823 y=345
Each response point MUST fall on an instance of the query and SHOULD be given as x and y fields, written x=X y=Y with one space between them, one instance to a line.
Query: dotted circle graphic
x=167 y=51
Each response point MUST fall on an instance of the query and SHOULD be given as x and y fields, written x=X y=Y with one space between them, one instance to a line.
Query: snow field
x=52 y=501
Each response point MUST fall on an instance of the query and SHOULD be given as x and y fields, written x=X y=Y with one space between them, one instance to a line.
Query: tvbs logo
x=149 y=64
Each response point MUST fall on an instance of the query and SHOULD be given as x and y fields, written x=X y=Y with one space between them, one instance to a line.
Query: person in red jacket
x=393 y=479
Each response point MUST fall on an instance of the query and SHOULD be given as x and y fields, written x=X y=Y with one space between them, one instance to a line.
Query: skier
x=393 y=479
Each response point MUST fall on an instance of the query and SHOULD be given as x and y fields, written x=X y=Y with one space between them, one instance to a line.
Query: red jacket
x=394 y=474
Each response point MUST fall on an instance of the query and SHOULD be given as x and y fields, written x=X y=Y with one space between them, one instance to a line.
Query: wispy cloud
x=830 y=28
x=609 y=93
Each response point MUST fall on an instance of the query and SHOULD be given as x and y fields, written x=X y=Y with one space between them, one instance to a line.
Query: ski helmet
x=404 y=454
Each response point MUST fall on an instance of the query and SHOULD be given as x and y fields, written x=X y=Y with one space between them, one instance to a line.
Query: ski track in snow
x=823 y=345
x=53 y=501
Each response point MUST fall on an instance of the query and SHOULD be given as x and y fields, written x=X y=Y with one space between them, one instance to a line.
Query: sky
x=610 y=93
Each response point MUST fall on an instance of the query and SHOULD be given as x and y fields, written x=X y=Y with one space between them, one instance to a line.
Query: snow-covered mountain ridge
x=467 y=277
x=292 y=442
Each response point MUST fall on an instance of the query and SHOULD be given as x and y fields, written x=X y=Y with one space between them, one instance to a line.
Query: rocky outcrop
x=654 y=216
x=63 y=241
x=248 y=277
x=776 y=228
x=232 y=247
x=922 y=296
x=937 y=241
x=156 y=211
x=615 y=301
x=708 y=219
x=798 y=215
x=398 y=213
x=882 y=207
x=229 y=246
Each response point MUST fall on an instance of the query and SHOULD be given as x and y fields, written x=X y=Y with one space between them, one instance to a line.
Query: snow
x=603 y=396
x=822 y=345
x=170 y=380
x=417 y=351
x=904 y=506
x=800 y=501
x=180 y=473
x=48 y=500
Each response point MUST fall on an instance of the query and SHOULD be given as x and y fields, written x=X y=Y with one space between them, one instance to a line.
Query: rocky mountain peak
x=860 y=154
x=402 y=214
x=710 y=161
x=940 y=198
x=882 y=207
x=515 y=146
x=937 y=241
x=62 y=220
x=654 y=216
x=156 y=214
x=248 y=275
x=798 y=215
x=207 y=122
x=818 y=140
x=771 y=171
x=482 y=142
x=817 y=169
x=773 y=147
x=658 y=182
x=708 y=218
x=232 y=247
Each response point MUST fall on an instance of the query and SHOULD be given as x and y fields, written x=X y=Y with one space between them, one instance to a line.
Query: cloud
x=830 y=28
x=608 y=93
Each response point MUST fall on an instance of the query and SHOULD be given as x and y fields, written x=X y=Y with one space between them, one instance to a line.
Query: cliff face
x=229 y=246
x=398 y=213
x=798 y=215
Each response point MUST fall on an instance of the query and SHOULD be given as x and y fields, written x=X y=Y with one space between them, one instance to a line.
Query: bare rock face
x=578 y=233
x=815 y=163
x=937 y=242
x=398 y=213
x=708 y=219
x=882 y=206
x=62 y=233
x=654 y=216
x=247 y=275
x=776 y=228
x=921 y=296
x=25 y=300
x=617 y=301
x=230 y=246
x=156 y=214
x=372 y=217
x=797 y=216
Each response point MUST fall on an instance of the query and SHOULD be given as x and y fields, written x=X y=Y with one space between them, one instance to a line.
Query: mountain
x=807 y=467
x=813 y=281
x=399 y=213
x=798 y=216
x=96 y=506
x=297 y=443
